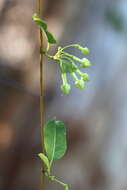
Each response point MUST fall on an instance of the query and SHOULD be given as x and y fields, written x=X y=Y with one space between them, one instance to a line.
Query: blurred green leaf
x=115 y=19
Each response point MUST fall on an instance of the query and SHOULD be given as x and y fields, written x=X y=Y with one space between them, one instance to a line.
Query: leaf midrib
x=53 y=153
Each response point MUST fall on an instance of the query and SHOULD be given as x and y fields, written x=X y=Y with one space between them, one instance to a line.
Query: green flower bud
x=80 y=84
x=85 y=50
x=85 y=77
x=85 y=63
x=65 y=88
x=77 y=46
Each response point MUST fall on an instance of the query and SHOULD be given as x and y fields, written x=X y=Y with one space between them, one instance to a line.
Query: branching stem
x=53 y=178
x=65 y=47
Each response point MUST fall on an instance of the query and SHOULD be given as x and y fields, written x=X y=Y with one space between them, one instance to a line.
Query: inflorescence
x=66 y=61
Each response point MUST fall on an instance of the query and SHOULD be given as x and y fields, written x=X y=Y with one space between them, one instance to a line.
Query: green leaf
x=55 y=139
x=45 y=160
x=43 y=26
x=67 y=67
x=40 y=22
x=50 y=37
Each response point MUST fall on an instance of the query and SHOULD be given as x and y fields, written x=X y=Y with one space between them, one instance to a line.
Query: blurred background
x=96 y=118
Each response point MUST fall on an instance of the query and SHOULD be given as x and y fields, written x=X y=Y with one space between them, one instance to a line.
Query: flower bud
x=85 y=77
x=65 y=88
x=85 y=50
x=85 y=63
x=80 y=84
x=77 y=46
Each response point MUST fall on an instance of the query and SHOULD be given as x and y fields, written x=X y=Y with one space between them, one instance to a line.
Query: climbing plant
x=54 y=131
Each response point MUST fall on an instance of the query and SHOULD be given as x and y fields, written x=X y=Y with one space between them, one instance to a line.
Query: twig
x=42 y=111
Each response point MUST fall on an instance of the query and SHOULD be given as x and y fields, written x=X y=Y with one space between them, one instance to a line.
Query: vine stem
x=71 y=45
x=42 y=111
x=41 y=82
x=53 y=178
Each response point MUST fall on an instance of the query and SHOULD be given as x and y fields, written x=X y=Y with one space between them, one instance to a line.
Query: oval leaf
x=55 y=139
x=50 y=37
x=45 y=160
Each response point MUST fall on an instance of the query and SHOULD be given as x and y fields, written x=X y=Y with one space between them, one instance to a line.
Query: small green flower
x=85 y=63
x=68 y=64
x=80 y=84
x=65 y=88
x=85 y=77
x=85 y=50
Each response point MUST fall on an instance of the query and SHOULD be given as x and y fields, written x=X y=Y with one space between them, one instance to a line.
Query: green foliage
x=55 y=140
x=66 y=61
x=43 y=26
x=40 y=22
x=55 y=144
x=115 y=19
x=50 y=37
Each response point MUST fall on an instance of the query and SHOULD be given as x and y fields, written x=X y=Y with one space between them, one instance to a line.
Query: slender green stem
x=79 y=72
x=66 y=57
x=71 y=45
x=53 y=178
x=68 y=54
x=74 y=76
x=49 y=56
x=73 y=57
x=48 y=46
x=64 y=78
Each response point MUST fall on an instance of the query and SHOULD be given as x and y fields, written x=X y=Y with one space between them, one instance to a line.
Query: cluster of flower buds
x=67 y=63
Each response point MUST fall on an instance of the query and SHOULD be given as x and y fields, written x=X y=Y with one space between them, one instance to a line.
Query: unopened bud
x=85 y=63
x=77 y=46
x=85 y=77
x=85 y=50
x=65 y=88
x=80 y=84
